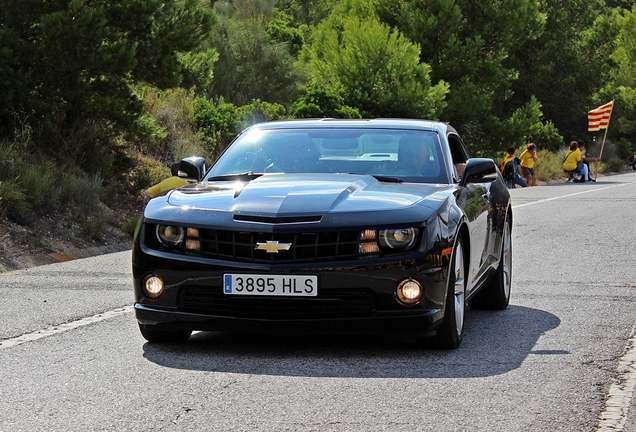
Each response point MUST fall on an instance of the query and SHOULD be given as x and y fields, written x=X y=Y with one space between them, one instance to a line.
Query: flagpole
x=605 y=136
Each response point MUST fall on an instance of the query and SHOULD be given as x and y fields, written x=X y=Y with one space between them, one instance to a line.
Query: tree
x=621 y=80
x=251 y=65
x=526 y=125
x=280 y=30
x=467 y=44
x=567 y=64
x=244 y=10
x=318 y=102
x=70 y=64
x=624 y=4
x=374 y=69
x=306 y=12
x=218 y=124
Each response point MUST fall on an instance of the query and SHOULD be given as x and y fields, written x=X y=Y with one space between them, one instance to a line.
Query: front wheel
x=451 y=331
x=152 y=335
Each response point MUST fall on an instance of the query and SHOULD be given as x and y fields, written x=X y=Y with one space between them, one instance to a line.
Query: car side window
x=458 y=153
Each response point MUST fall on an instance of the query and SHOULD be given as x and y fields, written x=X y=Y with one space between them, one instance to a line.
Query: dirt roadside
x=53 y=239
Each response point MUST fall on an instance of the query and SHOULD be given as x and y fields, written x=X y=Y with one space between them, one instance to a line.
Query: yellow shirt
x=572 y=159
x=527 y=159
x=167 y=184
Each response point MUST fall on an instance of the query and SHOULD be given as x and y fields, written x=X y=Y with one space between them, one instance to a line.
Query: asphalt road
x=562 y=357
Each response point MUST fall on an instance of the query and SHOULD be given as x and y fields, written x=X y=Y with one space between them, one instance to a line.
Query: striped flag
x=599 y=118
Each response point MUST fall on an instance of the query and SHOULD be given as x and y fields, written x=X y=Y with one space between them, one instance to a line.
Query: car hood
x=297 y=194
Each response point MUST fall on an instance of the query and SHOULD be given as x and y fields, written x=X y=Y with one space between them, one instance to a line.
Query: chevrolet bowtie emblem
x=272 y=246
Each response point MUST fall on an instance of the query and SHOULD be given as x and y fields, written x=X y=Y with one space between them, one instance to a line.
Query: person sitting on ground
x=574 y=162
x=527 y=160
x=169 y=183
x=586 y=160
x=510 y=170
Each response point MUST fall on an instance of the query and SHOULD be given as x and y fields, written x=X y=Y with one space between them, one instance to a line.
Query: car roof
x=379 y=123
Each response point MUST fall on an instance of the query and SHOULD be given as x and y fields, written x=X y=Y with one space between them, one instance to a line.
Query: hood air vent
x=277 y=220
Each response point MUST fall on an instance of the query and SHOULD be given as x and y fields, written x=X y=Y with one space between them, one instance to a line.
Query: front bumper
x=421 y=323
x=356 y=298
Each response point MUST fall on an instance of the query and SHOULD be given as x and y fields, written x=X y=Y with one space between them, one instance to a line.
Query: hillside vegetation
x=98 y=98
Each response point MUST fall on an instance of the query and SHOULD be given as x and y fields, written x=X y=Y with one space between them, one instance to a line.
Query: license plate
x=271 y=285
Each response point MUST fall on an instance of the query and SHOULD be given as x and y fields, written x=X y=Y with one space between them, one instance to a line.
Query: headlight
x=400 y=238
x=170 y=235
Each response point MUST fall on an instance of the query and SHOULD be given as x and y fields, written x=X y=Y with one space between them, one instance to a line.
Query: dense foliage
x=109 y=93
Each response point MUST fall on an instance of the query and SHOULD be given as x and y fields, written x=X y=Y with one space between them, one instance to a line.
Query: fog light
x=152 y=287
x=409 y=291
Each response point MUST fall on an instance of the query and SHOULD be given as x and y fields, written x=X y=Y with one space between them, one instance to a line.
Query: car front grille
x=329 y=304
x=304 y=247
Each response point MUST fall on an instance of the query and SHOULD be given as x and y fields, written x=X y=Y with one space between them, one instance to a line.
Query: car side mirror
x=192 y=168
x=479 y=170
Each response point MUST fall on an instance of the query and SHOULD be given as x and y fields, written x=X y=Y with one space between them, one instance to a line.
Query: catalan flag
x=599 y=118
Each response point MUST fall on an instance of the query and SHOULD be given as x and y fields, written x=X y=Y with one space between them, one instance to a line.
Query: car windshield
x=403 y=155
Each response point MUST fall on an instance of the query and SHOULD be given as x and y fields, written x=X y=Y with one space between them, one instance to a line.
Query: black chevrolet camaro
x=327 y=226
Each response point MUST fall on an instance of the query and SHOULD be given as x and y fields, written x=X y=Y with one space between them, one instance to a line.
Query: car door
x=475 y=200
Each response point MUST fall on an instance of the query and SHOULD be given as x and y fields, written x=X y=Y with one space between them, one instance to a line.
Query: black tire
x=159 y=336
x=451 y=331
x=496 y=295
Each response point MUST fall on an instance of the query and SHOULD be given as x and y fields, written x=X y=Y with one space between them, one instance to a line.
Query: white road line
x=30 y=337
x=614 y=414
x=568 y=195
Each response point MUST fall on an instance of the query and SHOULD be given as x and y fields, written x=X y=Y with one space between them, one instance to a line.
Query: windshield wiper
x=246 y=176
x=388 y=179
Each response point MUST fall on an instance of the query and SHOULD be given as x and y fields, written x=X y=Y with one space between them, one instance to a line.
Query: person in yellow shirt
x=527 y=159
x=169 y=183
x=575 y=161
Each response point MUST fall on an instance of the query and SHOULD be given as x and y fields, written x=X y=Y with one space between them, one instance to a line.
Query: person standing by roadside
x=510 y=170
x=527 y=159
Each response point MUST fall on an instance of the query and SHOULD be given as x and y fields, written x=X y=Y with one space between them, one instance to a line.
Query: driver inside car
x=413 y=156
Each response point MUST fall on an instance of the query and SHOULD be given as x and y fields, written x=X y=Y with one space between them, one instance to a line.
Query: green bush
x=14 y=203
x=549 y=165
x=93 y=224
x=185 y=144
x=147 y=173
x=615 y=165
x=81 y=195
x=87 y=191
x=319 y=102
x=258 y=111
x=39 y=184
x=625 y=151
x=217 y=125
x=9 y=158
x=130 y=225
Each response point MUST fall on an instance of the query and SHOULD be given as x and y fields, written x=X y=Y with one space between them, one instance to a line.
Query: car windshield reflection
x=389 y=155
